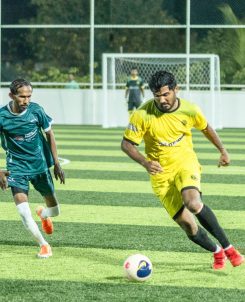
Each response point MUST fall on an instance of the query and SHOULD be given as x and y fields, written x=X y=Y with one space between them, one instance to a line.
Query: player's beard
x=22 y=108
x=166 y=108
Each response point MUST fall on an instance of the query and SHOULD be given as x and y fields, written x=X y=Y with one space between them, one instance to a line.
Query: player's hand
x=3 y=179
x=224 y=159
x=59 y=173
x=153 y=167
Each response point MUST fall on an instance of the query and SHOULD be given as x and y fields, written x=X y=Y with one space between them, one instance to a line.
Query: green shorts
x=43 y=182
x=133 y=105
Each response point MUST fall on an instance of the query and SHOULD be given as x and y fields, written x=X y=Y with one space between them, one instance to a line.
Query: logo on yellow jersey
x=166 y=144
x=194 y=177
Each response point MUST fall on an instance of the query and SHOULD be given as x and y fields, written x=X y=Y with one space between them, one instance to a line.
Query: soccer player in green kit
x=134 y=90
x=29 y=156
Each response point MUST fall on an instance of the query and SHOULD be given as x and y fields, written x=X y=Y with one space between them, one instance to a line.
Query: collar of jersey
x=17 y=114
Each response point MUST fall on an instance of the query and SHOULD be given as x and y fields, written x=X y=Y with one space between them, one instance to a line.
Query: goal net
x=197 y=75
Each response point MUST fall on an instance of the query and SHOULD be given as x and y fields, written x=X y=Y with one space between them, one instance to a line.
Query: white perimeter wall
x=83 y=106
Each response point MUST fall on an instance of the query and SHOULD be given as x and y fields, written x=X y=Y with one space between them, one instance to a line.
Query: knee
x=194 y=205
x=192 y=200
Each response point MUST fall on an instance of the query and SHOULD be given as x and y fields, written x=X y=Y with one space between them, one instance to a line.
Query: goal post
x=201 y=85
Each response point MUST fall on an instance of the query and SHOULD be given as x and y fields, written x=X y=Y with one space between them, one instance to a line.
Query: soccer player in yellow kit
x=165 y=123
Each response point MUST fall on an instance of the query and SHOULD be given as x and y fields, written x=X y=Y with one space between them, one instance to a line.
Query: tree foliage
x=49 y=54
x=229 y=44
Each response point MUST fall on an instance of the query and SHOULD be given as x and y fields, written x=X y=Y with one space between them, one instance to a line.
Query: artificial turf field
x=108 y=213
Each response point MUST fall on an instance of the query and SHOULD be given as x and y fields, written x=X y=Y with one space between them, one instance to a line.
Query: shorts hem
x=190 y=187
x=16 y=190
x=178 y=213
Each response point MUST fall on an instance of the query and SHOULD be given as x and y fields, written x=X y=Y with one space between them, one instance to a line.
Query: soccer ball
x=137 y=267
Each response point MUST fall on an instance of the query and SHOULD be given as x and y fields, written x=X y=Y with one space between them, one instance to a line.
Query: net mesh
x=200 y=70
x=200 y=83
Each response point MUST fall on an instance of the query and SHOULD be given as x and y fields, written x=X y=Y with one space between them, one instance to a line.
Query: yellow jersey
x=167 y=136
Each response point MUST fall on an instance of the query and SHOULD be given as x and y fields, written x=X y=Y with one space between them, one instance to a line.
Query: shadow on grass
x=28 y=290
x=112 y=236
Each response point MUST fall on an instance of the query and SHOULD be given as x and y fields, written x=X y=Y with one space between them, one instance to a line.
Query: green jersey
x=27 y=151
x=134 y=86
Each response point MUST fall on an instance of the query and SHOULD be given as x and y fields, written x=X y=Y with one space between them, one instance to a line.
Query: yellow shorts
x=168 y=184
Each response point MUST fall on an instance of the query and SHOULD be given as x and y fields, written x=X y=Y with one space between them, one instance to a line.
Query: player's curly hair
x=162 y=78
x=18 y=83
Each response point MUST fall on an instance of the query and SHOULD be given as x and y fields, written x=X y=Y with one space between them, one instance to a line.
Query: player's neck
x=176 y=105
x=13 y=108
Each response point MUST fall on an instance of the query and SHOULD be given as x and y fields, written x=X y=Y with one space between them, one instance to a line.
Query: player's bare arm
x=142 y=91
x=213 y=137
x=152 y=167
x=58 y=172
x=126 y=93
x=3 y=179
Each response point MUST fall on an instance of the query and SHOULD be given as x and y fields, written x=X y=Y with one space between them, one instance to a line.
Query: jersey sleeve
x=1 y=119
x=136 y=129
x=44 y=120
x=200 y=121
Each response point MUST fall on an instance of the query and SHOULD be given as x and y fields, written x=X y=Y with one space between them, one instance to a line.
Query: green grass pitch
x=108 y=212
